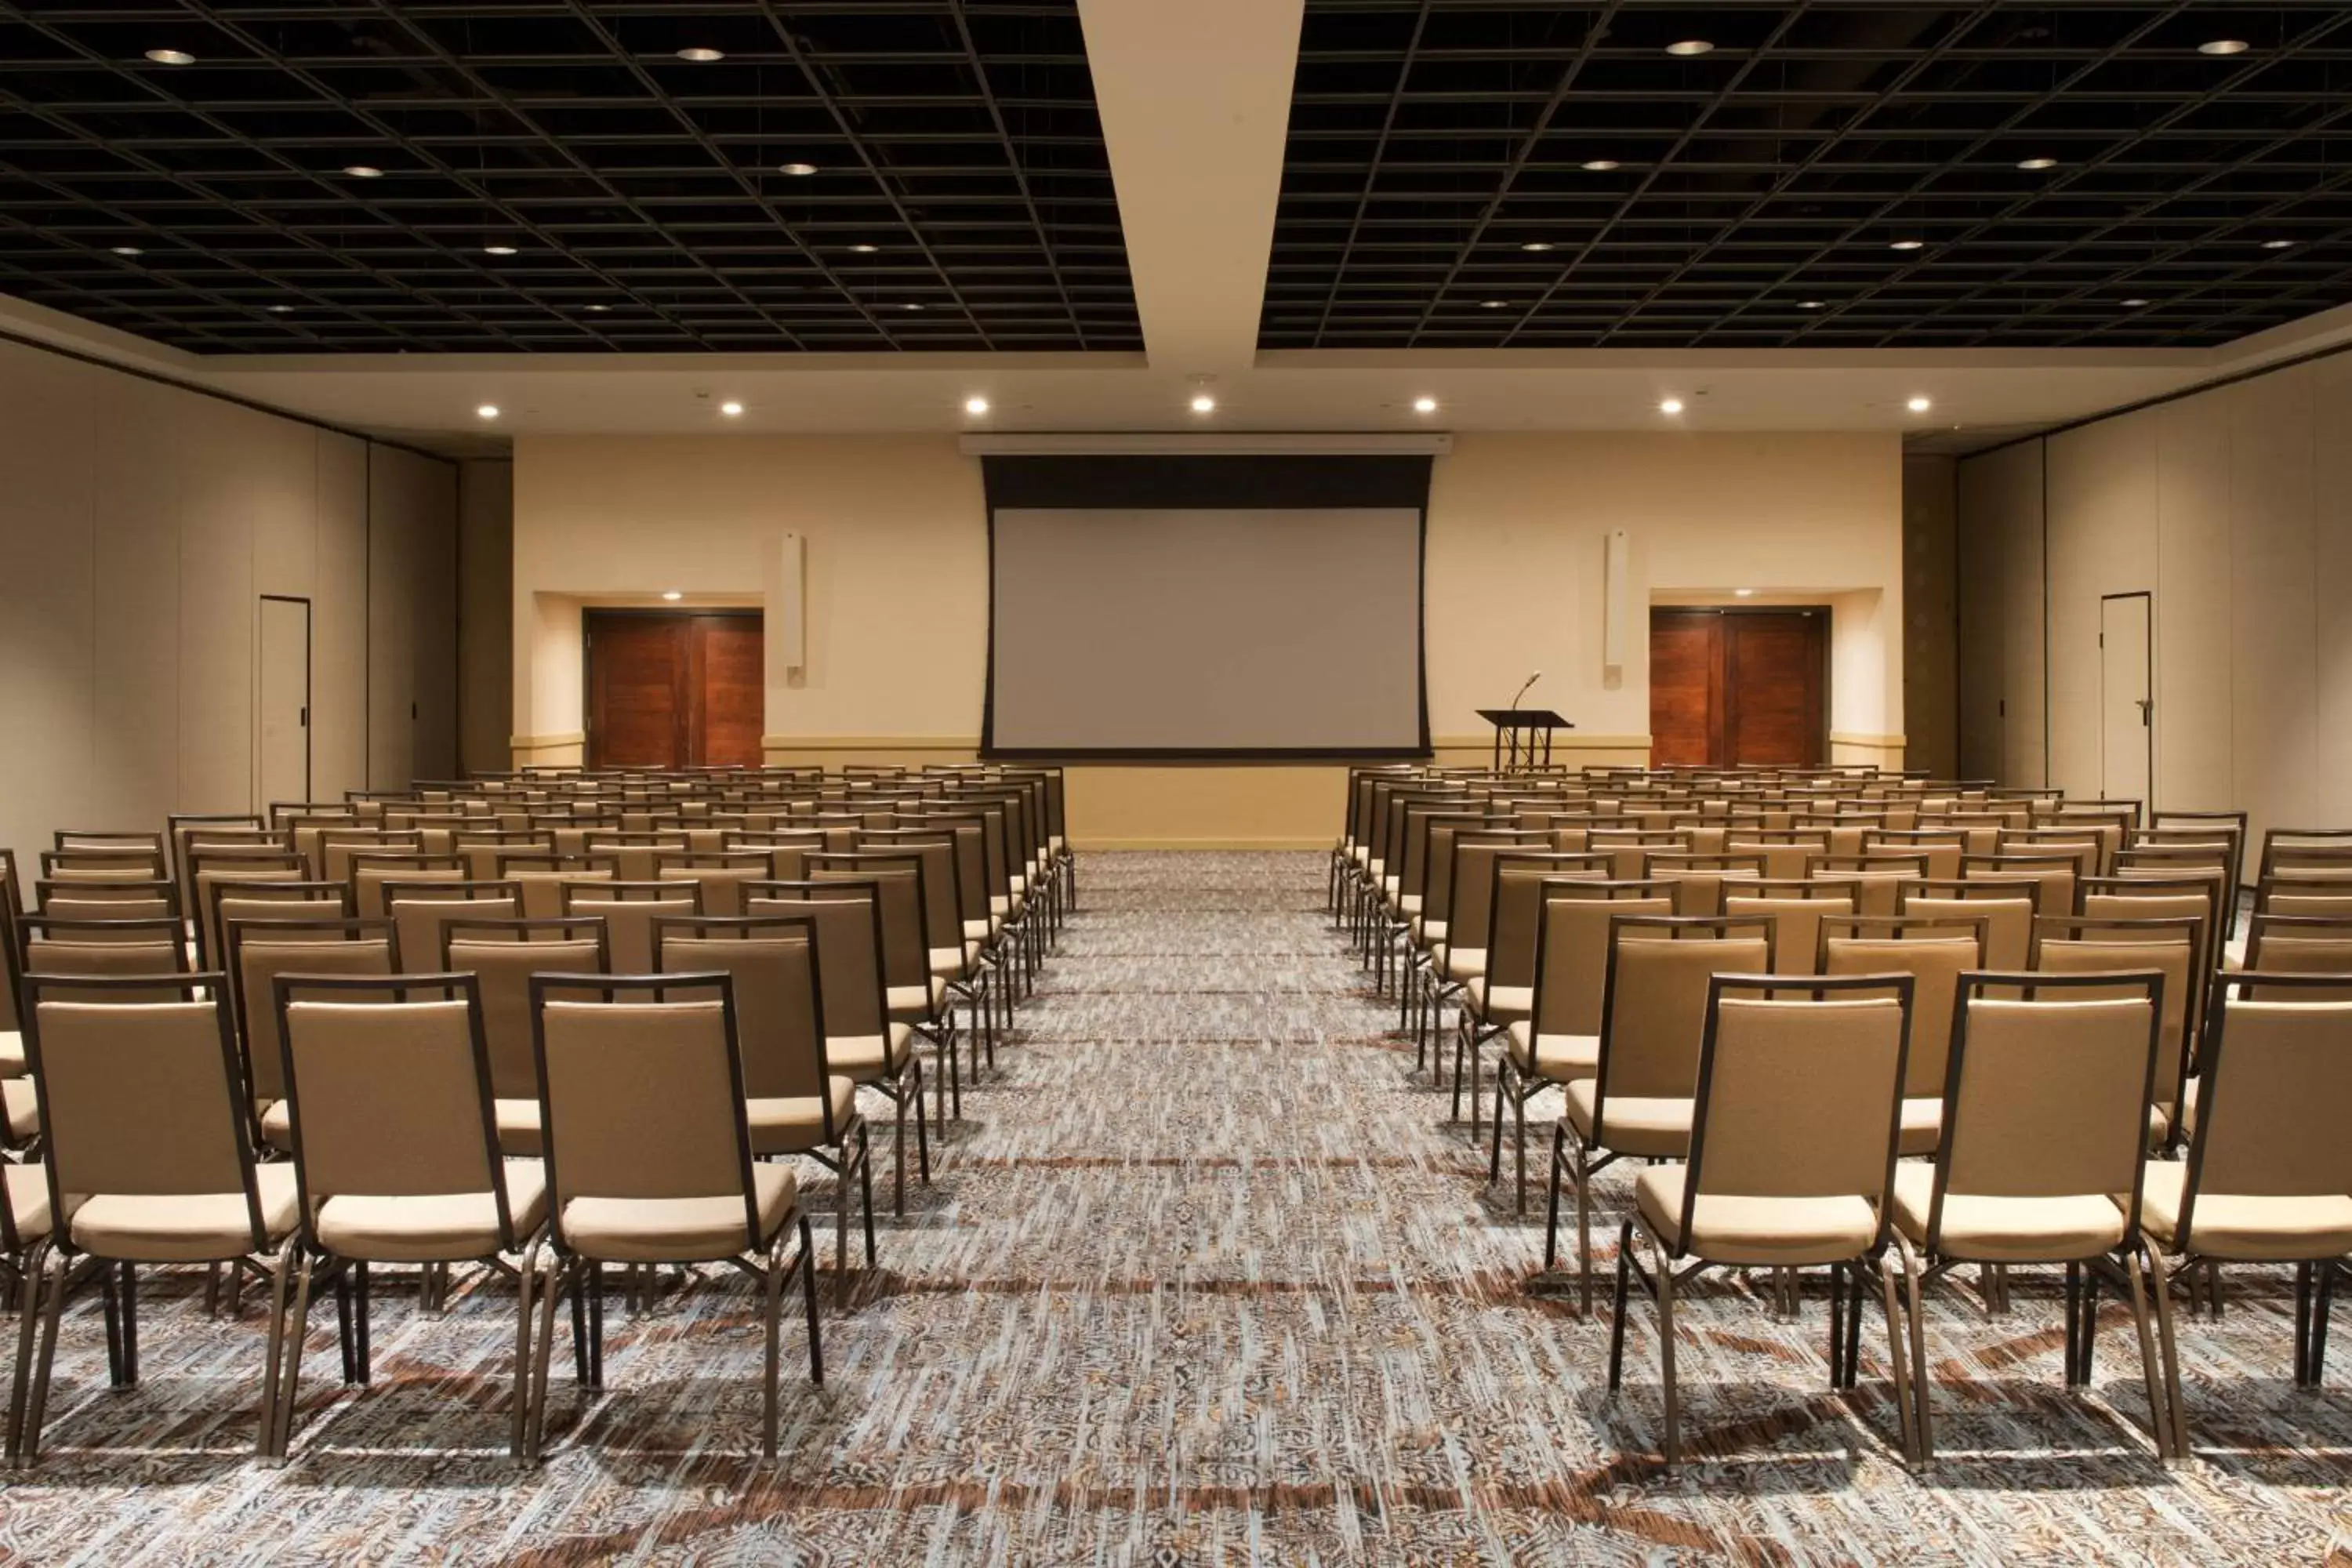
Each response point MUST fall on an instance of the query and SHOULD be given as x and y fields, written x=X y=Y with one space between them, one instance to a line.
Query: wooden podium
x=1523 y=737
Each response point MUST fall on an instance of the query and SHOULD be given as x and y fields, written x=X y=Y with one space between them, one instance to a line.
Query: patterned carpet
x=1206 y=1276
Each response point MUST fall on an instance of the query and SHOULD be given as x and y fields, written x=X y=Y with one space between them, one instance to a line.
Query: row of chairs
x=1585 y=977
x=818 y=984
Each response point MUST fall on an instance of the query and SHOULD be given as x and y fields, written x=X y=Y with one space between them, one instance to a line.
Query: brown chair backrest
x=1573 y=923
x=1796 y=1091
x=849 y=947
x=208 y=865
x=389 y=1091
x=372 y=869
x=2276 y=1097
x=721 y=876
x=1655 y=998
x=2300 y=945
x=780 y=1026
x=542 y=877
x=606 y=1135
x=261 y=950
x=906 y=957
x=1796 y=907
x=504 y=956
x=630 y=911
x=2048 y=1093
x=139 y=1098
x=419 y=909
x=1934 y=950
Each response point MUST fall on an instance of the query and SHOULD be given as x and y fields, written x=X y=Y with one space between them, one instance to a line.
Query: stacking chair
x=1641 y=1096
x=211 y=864
x=1505 y=993
x=2080 y=945
x=915 y=996
x=102 y=900
x=93 y=949
x=1877 y=877
x=418 y=911
x=2053 y=870
x=1558 y=1038
x=373 y=870
x=2044 y=1131
x=258 y=952
x=636 y=854
x=954 y=955
x=2269 y=1173
x=506 y=956
x=630 y=911
x=721 y=876
x=1702 y=881
x=2300 y=944
x=795 y=1103
x=390 y=1119
x=862 y=1042
x=1796 y=907
x=1932 y=951
x=2007 y=908
x=147 y=1133
x=1779 y=1179
x=542 y=877
x=338 y=846
x=12 y=894
x=638 y=1178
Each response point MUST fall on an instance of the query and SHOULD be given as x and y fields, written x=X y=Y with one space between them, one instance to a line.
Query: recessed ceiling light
x=1743 y=592
x=498 y=251
x=672 y=595
x=126 y=250
x=487 y=411
x=976 y=406
x=1536 y=245
x=797 y=171
x=1491 y=304
x=864 y=249
x=1690 y=47
x=2134 y=304
x=363 y=172
x=279 y=309
x=2037 y=164
x=702 y=57
x=912 y=305
x=1600 y=165
x=2222 y=47
x=1810 y=304
x=172 y=56
x=1906 y=244
x=1919 y=405
x=2276 y=244
x=1671 y=406
x=600 y=310
x=1424 y=406
x=731 y=408
x=1203 y=403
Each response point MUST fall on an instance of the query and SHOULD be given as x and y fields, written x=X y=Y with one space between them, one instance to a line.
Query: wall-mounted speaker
x=787 y=606
x=1616 y=605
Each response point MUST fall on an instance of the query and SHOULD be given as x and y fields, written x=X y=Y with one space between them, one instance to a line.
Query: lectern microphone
x=1524 y=690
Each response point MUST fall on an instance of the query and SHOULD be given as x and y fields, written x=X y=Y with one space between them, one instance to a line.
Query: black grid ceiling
x=641 y=193
x=1760 y=187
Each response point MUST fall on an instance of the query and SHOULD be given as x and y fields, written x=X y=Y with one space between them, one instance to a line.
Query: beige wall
x=2233 y=511
x=139 y=525
x=897 y=561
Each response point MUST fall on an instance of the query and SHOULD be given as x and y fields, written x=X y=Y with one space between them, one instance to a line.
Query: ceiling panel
x=553 y=175
x=1843 y=173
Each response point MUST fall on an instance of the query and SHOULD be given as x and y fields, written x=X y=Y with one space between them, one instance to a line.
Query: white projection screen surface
x=1285 y=629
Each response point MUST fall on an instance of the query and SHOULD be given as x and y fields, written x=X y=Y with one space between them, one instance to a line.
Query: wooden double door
x=1730 y=687
x=676 y=689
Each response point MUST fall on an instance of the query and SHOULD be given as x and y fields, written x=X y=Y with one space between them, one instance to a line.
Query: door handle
x=2146 y=706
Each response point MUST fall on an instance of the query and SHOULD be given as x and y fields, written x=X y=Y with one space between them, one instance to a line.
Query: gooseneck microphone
x=1524 y=690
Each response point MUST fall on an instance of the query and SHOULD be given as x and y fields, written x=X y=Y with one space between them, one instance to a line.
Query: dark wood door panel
x=675 y=690
x=636 y=668
x=731 y=690
x=1774 y=659
x=1686 y=686
x=1732 y=687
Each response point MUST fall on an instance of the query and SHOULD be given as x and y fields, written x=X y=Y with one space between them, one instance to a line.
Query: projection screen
x=1208 y=607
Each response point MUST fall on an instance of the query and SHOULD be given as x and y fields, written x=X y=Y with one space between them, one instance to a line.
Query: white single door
x=283 y=723
x=2126 y=705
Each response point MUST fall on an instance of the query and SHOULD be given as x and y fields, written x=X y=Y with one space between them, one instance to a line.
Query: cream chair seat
x=1986 y=1229
x=1557 y=1059
x=676 y=1230
x=12 y=1052
x=22 y=1108
x=434 y=1227
x=859 y=1054
x=184 y=1227
x=1645 y=1126
x=794 y=1124
x=1501 y=1004
x=1764 y=1231
x=2253 y=1227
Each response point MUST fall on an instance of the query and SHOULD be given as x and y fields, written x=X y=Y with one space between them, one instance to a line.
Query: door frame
x=688 y=696
x=2148 y=719
x=309 y=688
x=1722 y=672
